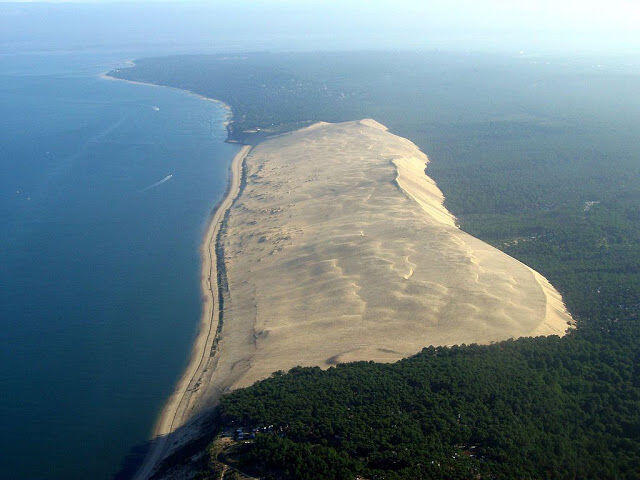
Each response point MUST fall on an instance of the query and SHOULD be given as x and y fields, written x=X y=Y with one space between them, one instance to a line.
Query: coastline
x=226 y=107
x=178 y=403
x=183 y=401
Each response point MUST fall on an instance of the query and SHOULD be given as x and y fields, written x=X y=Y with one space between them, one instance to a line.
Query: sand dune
x=340 y=249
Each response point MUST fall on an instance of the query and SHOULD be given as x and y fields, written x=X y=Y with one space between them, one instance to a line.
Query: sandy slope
x=340 y=249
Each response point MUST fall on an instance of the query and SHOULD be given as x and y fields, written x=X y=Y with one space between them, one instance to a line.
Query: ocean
x=105 y=191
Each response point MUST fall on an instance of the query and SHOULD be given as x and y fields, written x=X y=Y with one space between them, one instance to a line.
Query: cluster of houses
x=242 y=434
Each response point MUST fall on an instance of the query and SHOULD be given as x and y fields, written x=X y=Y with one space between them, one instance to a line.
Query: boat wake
x=158 y=183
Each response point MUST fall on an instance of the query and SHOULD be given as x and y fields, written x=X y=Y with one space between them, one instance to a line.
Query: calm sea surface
x=99 y=262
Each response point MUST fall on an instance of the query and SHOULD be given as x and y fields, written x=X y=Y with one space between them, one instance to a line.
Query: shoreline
x=185 y=395
x=181 y=403
x=210 y=311
x=225 y=106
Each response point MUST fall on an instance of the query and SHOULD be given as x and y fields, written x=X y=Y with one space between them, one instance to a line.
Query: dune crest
x=339 y=249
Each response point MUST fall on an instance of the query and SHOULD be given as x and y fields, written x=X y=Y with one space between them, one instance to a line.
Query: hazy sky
x=536 y=26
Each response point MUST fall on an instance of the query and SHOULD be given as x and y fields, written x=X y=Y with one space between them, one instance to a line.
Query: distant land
x=516 y=174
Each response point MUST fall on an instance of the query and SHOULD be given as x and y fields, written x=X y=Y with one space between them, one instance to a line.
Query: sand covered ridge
x=339 y=248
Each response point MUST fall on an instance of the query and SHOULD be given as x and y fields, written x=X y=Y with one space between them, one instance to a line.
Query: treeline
x=540 y=161
x=527 y=409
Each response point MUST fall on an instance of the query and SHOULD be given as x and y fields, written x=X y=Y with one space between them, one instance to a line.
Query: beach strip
x=186 y=394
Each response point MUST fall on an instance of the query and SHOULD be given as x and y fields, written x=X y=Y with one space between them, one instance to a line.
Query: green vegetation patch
x=531 y=408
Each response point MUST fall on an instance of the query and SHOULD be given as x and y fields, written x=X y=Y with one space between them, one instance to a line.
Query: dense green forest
x=541 y=408
x=541 y=158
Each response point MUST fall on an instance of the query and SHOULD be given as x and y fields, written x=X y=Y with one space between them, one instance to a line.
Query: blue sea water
x=99 y=274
